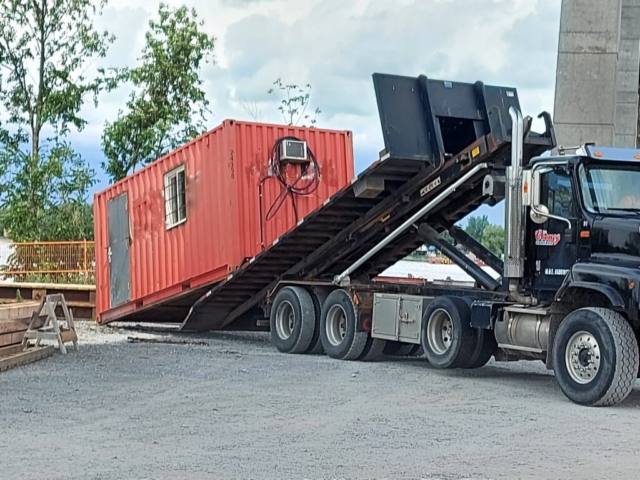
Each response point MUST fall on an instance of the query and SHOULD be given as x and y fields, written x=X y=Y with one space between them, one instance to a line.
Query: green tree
x=47 y=203
x=168 y=105
x=476 y=227
x=493 y=238
x=293 y=102
x=46 y=51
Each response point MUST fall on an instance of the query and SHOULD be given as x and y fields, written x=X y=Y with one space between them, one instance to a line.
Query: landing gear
x=595 y=357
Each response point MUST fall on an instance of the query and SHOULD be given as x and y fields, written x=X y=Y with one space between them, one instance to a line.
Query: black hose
x=294 y=188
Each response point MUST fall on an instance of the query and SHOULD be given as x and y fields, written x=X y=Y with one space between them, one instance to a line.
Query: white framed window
x=175 y=197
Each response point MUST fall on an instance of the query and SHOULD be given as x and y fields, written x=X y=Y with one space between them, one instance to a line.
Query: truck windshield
x=611 y=188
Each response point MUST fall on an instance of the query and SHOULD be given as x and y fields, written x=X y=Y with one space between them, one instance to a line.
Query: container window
x=174 y=197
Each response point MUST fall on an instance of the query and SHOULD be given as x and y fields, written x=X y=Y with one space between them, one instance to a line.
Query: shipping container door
x=119 y=241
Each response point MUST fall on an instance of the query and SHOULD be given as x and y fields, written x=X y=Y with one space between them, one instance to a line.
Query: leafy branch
x=168 y=105
x=293 y=102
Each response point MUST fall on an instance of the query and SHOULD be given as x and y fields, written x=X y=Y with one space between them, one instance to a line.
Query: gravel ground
x=235 y=408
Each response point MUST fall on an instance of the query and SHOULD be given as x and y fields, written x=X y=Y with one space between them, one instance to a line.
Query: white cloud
x=336 y=46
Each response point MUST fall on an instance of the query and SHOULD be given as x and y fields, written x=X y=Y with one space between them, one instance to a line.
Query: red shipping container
x=168 y=232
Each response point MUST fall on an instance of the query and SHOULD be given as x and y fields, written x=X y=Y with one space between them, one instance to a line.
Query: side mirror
x=539 y=214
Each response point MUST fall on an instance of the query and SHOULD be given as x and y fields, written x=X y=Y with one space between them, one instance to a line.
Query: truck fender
x=614 y=297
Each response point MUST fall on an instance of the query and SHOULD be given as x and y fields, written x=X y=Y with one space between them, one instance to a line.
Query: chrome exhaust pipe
x=514 y=208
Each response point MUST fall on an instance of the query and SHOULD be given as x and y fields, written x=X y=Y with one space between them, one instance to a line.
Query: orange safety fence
x=50 y=262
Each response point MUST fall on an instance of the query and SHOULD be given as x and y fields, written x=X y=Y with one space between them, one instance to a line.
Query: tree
x=253 y=110
x=293 y=102
x=47 y=203
x=168 y=105
x=477 y=226
x=46 y=50
x=493 y=238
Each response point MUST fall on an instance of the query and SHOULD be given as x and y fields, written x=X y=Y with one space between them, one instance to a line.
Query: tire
x=292 y=320
x=585 y=377
x=338 y=333
x=318 y=299
x=373 y=350
x=416 y=351
x=455 y=346
x=397 y=349
x=485 y=348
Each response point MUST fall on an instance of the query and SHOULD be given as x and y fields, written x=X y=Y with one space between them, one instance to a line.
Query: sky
x=336 y=45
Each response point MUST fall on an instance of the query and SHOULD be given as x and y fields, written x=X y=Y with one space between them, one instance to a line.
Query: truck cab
x=583 y=232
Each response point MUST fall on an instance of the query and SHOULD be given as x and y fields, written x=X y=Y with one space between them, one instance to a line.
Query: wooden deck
x=80 y=298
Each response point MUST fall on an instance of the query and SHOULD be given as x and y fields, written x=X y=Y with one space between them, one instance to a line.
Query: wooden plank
x=49 y=286
x=68 y=336
x=11 y=326
x=11 y=338
x=18 y=311
x=23 y=358
x=10 y=350
x=36 y=334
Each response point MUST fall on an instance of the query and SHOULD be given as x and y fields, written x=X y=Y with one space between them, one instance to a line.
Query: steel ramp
x=345 y=228
x=423 y=121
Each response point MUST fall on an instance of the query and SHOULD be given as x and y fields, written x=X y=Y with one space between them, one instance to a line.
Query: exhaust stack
x=514 y=208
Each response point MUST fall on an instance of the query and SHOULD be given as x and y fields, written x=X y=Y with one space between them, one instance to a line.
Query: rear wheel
x=485 y=348
x=595 y=357
x=318 y=298
x=372 y=350
x=447 y=337
x=292 y=320
x=338 y=331
x=416 y=351
x=398 y=349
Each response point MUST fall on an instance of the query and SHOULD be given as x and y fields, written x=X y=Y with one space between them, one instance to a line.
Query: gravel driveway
x=234 y=408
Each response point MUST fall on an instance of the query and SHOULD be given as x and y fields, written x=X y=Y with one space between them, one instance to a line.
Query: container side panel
x=225 y=207
x=277 y=211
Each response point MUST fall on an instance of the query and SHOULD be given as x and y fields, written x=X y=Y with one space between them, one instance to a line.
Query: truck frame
x=569 y=287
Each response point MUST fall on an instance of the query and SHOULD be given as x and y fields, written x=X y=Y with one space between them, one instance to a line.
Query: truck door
x=553 y=242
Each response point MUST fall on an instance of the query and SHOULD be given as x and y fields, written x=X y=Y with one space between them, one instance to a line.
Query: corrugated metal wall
x=225 y=213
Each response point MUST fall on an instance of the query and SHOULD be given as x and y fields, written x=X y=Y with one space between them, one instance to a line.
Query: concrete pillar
x=598 y=73
x=628 y=76
x=586 y=79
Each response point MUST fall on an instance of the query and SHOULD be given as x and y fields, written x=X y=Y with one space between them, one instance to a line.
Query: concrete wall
x=628 y=75
x=598 y=72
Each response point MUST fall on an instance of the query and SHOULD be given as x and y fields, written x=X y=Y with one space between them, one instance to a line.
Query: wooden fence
x=50 y=262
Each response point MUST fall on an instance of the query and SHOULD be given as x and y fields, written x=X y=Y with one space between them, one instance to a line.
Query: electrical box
x=294 y=151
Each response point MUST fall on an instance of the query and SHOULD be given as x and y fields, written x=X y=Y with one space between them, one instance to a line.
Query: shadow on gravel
x=173 y=331
x=541 y=381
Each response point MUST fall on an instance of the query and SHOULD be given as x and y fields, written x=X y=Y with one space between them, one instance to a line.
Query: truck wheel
x=416 y=351
x=318 y=299
x=338 y=327
x=292 y=320
x=595 y=357
x=398 y=349
x=485 y=348
x=372 y=350
x=447 y=337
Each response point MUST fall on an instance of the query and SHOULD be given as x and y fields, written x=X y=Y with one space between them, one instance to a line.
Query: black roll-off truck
x=568 y=291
